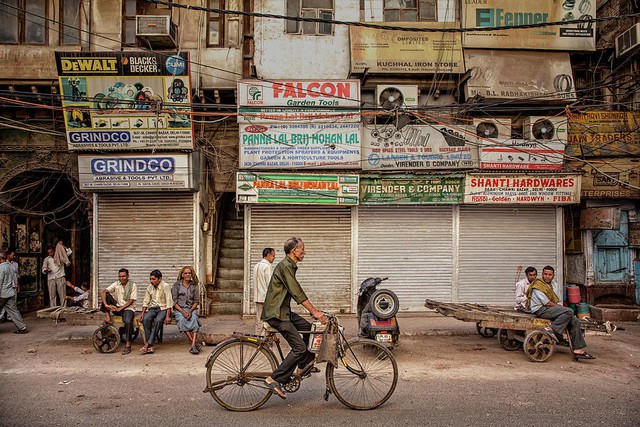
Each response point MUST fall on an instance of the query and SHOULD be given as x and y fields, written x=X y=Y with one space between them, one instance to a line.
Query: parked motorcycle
x=377 y=309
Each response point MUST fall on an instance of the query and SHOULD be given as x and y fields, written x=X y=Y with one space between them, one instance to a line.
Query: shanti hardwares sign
x=317 y=145
x=126 y=100
x=297 y=188
x=385 y=147
x=261 y=101
x=522 y=189
x=411 y=189
x=141 y=172
x=499 y=14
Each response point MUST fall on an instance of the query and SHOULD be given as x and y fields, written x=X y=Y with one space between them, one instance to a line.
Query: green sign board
x=411 y=189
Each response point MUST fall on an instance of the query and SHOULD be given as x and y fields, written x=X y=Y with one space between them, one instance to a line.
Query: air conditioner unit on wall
x=499 y=129
x=157 y=30
x=628 y=41
x=392 y=97
x=545 y=128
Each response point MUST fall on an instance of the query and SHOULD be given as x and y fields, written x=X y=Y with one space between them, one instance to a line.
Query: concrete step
x=229 y=284
x=226 y=252
x=236 y=224
x=220 y=296
x=232 y=234
x=224 y=308
x=231 y=263
x=230 y=273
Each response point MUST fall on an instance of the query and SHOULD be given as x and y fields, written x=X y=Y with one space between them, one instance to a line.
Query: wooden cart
x=515 y=329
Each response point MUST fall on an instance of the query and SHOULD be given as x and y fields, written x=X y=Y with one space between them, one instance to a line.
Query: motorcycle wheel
x=384 y=303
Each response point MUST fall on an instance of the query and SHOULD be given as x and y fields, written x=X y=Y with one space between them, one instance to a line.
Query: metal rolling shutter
x=413 y=246
x=494 y=241
x=142 y=232
x=325 y=273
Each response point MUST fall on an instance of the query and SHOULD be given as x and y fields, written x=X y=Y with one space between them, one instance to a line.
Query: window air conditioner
x=628 y=41
x=157 y=30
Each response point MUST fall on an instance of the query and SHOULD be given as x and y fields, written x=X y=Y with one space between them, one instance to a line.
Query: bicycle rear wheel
x=368 y=376
x=235 y=375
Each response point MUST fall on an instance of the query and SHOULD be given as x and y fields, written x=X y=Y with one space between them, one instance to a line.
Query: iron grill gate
x=142 y=232
x=413 y=246
x=325 y=273
x=494 y=241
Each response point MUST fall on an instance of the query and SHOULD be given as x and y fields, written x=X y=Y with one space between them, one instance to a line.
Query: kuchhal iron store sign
x=313 y=189
x=138 y=172
x=411 y=189
x=300 y=145
x=261 y=101
x=126 y=100
x=385 y=147
x=500 y=16
x=550 y=189
x=603 y=134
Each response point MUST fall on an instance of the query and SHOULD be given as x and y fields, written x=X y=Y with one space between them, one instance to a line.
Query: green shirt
x=282 y=287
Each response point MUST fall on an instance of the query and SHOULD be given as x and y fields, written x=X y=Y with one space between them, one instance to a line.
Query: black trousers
x=127 y=316
x=299 y=355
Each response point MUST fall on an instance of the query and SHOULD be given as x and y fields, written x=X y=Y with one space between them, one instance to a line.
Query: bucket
x=583 y=310
x=572 y=306
x=573 y=294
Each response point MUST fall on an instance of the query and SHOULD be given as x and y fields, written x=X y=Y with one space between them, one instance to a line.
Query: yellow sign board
x=603 y=133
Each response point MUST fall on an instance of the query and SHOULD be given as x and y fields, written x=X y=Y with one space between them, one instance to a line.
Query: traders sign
x=386 y=147
x=126 y=100
x=411 y=189
x=261 y=101
x=143 y=172
x=295 y=188
x=604 y=133
x=522 y=189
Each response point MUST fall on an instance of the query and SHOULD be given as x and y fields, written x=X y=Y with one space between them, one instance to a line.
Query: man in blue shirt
x=7 y=294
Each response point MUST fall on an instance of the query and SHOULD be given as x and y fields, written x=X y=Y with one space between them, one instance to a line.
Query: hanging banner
x=411 y=189
x=396 y=51
x=385 y=147
x=297 y=188
x=126 y=100
x=261 y=101
x=285 y=146
x=522 y=189
x=604 y=133
x=508 y=13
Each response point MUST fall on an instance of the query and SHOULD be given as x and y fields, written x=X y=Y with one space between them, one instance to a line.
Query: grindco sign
x=309 y=100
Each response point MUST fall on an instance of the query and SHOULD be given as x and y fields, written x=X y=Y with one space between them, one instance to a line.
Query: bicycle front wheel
x=367 y=377
x=235 y=375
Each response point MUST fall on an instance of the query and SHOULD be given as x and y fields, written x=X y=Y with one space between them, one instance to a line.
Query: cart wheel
x=506 y=343
x=538 y=346
x=486 y=332
x=106 y=339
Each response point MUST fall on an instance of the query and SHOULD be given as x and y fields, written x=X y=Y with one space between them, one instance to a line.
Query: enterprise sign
x=146 y=165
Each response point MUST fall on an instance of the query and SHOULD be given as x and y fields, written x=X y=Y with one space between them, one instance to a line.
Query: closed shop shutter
x=143 y=232
x=494 y=241
x=413 y=246
x=325 y=272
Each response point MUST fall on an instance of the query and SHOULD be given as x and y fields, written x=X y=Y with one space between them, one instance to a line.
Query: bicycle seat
x=268 y=327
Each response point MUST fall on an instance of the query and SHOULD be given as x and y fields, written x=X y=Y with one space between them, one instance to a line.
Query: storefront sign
x=411 y=189
x=413 y=147
x=261 y=101
x=295 y=188
x=522 y=189
x=519 y=75
x=317 y=145
x=600 y=218
x=610 y=179
x=604 y=133
x=507 y=13
x=394 y=51
x=139 y=172
x=126 y=100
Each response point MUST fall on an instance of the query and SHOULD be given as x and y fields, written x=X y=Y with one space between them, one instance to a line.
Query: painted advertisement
x=385 y=147
x=126 y=100
x=609 y=179
x=261 y=101
x=496 y=74
x=604 y=134
x=142 y=172
x=542 y=149
x=411 y=189
x=522 y=189
x=288 y=146
x=321 y=189
x=396 y=51
x=497 y=14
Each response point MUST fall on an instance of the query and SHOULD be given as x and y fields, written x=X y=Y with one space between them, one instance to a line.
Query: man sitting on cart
x=118 y=300
x=543 y=302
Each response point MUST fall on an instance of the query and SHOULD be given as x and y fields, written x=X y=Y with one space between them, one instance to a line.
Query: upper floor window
x=70 y=11
x=321 y=9
x=410 y=10
x=215 y=24
x=23 y=21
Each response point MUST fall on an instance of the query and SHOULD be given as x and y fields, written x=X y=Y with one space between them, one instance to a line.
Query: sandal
x=585 y=356
x=126 y=350
x=276 y=389
x=21 y=331
x=144 y=350
x=550 y=333
x=150 y=350
x=194 y=350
